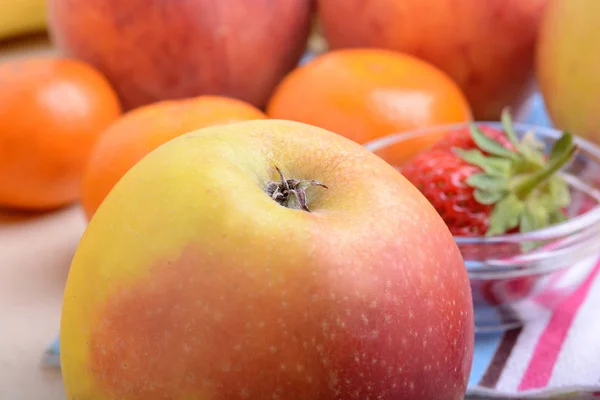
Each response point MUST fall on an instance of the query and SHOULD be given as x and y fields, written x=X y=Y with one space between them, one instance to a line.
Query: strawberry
x=441 y=176
x=484 y=181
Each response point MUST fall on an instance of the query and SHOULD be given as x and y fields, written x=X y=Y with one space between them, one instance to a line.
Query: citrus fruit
x=364 y=94
x=51 y=112
x=141 y=130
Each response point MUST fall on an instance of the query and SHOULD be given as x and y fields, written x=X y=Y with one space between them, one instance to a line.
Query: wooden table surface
x=35 y=253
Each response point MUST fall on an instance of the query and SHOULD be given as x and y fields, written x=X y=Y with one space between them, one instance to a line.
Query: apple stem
x=285 y=189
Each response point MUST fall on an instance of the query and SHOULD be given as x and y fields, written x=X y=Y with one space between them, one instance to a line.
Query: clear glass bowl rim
x=564 y=229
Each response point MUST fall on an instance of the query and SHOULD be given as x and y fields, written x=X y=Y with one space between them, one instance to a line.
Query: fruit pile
x=242 y=241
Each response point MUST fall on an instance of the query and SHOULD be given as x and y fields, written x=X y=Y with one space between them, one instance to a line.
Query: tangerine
x=141 y=130
x=364 y=94
x=52 y=110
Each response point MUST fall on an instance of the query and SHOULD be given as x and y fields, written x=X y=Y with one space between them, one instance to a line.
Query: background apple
x=209 y=285
x=155 y=50
x=486 y=46
x=568 y=65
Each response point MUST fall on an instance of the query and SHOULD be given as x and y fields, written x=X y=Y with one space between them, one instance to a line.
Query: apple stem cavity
x=286 y=190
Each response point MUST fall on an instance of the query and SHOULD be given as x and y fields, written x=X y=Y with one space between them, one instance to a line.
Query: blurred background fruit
x=140 y=131
x=486 y=46
x=154 y=50
x=363 y=94
x=568 y=65
x=18 y=17
x=52 y=110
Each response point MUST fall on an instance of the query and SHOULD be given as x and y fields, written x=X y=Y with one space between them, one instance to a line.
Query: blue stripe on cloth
x=485 y=347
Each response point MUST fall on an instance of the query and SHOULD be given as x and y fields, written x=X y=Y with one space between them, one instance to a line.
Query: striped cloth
x=559 y=354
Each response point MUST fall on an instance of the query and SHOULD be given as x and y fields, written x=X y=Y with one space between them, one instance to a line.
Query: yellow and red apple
x=206 y=274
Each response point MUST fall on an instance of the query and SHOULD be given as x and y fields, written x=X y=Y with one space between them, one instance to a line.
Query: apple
x=266 y=259
x=568 y=65
x=486 y=46
x=155 y=50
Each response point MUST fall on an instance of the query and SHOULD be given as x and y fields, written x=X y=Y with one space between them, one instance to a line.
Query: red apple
x=486 y=46
x=154 y=50
x=206 y=275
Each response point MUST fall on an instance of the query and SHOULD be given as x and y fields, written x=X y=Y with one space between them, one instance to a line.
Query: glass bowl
x=510 y=285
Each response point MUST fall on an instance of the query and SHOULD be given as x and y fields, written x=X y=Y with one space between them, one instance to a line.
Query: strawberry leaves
x=490 y=145
x=495 y=166
x=509 y=130
x=522 y=183
x=506 y=215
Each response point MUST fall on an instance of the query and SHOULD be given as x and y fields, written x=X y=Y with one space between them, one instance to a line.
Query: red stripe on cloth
x=546 y=352
x=548 y=296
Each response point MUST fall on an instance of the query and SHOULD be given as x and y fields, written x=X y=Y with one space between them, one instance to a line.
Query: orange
x=364 y=94
x=52 y=110
x=139 y=131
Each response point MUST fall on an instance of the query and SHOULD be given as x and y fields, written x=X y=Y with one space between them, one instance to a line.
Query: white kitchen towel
x=555 y=356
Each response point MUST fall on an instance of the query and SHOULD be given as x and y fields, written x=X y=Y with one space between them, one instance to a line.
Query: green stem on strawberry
x=521 y=183
x=565 y=149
